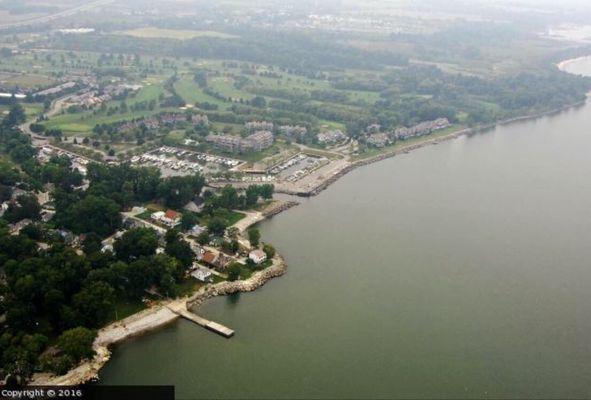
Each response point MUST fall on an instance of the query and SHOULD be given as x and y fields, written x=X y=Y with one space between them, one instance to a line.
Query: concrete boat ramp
x=207 y=324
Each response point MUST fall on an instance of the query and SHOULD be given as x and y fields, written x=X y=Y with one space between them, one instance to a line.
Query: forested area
x=53 y=296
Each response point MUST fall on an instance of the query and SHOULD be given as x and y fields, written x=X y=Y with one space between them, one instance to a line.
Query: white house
x=202 y=274
x=258 y=256
x=170 y=218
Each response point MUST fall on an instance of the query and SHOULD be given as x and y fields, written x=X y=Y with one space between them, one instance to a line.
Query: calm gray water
x=459 y=270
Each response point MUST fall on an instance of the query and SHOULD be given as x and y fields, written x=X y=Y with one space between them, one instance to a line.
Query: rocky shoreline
x=150 y=320
x=257 y=280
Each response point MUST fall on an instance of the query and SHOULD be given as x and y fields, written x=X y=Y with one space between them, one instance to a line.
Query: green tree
x=180 y=249
x=254 y=237
x=136 y=243
x=95 y=304
x=269 y=251
x=234 y=271
x=203 y=238
x=217 y=226
x=16 y=116
x=77 y=343
x=188 y=220
x=26 y=206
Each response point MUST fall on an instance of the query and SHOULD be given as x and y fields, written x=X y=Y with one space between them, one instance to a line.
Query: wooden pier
x=207 y=324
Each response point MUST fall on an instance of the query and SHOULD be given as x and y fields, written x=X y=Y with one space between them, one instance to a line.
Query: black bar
x=89 y=392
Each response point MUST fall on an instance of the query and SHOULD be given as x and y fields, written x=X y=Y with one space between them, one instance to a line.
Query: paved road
x=66 y=13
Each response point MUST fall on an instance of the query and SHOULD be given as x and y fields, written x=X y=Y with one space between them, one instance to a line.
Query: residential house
x=256 y=142
x=378 y=140
x=258 y=256
x=209 y=257
x=259 y=126
x=197 y=230
x=331 y=137
x=169 y=218
x=202 y=274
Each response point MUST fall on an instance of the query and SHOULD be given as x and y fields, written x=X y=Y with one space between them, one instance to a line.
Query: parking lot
x=174 y=161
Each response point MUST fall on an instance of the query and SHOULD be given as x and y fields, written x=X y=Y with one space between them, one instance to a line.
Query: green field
x=152 y=33
x=192 y=93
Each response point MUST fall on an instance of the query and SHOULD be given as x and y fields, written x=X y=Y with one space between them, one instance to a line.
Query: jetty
x=207 y=324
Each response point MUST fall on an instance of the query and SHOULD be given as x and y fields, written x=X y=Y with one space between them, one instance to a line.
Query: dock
x=207 y=324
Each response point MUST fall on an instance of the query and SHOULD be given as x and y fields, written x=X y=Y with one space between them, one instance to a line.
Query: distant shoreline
x=324 y=184
x=563 y=64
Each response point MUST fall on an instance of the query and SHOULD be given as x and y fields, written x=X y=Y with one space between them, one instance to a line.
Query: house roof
x=208 y=257
x=171 y=214
x=258 y=253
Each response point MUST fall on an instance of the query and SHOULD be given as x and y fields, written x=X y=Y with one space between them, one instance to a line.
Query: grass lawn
x=179 y=34
x=224 y=85
x=125 y=308
x=231 y=217
x=189 y=286
x=176 y=135
x=29 y=80
x=192 y=93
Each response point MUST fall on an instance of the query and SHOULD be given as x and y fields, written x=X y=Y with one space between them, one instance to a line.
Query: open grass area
x=151 y=33
x=125 y=308
x=189 y=286
x=29 y=80
x=192 y=93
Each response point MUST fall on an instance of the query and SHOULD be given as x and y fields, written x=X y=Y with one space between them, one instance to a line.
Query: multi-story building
x=259 y=126
x=330 y=137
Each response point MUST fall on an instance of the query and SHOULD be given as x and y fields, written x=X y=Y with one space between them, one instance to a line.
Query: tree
x=254 y=236
x=231 y=247
x=26 y=206
x=217 y=226
x=176 y=191
x=203 y=238
x=266 y=191
x=16 y=116
x=180 y=249
x=95 y=304
x=92 y=243
x=96 y=214
x=77 y=343
x=269 y=251
x=136 y=243
x=259 y=102
x=234 y=270
x=188 y=220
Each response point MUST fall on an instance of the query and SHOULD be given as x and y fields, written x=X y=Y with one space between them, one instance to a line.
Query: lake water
x=459 y=270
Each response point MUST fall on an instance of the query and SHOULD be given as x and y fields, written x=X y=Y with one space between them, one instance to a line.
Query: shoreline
x=563 y=64
x=427 y=142
x=160 y=315
x=150 y=320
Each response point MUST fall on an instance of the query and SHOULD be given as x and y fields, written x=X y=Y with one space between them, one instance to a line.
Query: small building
x=209 y=258
x=169 y=218
x=202 y=274
x=378 y=140
x=157 y=216
x=197 y=230
x=257 y=256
